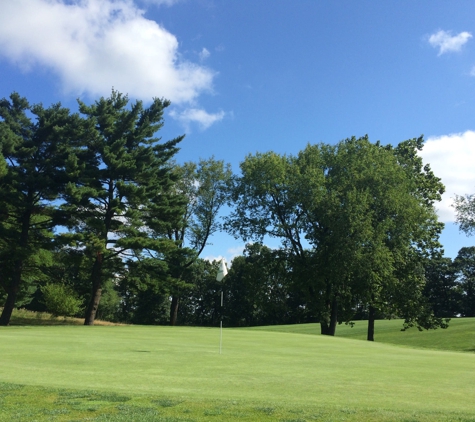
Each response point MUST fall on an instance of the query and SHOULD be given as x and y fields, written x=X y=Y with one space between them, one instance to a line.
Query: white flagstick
x=221 y=325
x=221 y=274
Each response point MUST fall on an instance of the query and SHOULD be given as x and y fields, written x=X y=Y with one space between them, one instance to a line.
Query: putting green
x=283 y=368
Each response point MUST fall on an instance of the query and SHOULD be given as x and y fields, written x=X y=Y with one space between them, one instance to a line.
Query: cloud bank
x=94 y=45
x=451 y=157
x=446 y=43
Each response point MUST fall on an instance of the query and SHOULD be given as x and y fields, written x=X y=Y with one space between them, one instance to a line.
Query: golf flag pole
x=222 y=271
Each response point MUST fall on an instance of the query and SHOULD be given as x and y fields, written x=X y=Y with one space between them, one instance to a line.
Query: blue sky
x=246 y=76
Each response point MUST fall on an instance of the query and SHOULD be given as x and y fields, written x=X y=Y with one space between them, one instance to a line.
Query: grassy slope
x=256 y=366
x=460 y=336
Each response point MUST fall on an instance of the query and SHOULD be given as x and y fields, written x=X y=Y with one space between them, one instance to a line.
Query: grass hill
x=460 y=336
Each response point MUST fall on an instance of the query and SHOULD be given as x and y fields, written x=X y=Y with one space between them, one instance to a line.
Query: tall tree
x=353 y=214
x=204 y=187
x=35 y=144
x=464 y=266
x=123 y=171
x=465 y=210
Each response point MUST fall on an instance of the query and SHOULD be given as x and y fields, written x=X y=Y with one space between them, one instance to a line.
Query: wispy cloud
x=94 y=45
x=451 y=157
x=446 y=42
x=204 y=54
x=160 y=2
x=197 y=115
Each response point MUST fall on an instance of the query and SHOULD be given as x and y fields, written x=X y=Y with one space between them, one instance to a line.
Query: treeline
x=96 y=218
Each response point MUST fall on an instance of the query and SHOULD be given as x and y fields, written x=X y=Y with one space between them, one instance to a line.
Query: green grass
x=460 y=336
x=177 y=374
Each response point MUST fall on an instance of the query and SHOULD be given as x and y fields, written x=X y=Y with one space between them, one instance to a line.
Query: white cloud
x=451 y=157
x=204 y=54
x=445 y=42
x=94 y=45
x=197 y=115
x=231 y=253
x=160 y=2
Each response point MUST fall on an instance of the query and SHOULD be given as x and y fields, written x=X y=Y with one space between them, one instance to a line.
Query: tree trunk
x=324 y=327
x=174 y=309
x=9 y=306
x=371 y=314
x=14 y=288
x=96 y=293
x=328 y=325
x=334 y=317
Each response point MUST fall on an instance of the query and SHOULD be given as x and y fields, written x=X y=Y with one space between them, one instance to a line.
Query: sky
x=247 y=76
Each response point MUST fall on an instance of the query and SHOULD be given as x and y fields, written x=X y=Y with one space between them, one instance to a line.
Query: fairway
x=256 y=366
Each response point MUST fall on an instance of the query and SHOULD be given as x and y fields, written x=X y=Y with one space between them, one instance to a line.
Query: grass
x=177 y=374
x=460 y=336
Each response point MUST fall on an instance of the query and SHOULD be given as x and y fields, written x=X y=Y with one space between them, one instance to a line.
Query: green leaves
x=465 y=210
x=364 y=212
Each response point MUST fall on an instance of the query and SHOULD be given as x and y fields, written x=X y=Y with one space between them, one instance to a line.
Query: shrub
x=61 y=300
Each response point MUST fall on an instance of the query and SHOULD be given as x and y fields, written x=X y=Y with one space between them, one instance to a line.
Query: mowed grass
x=177 y=374
x=460 y=336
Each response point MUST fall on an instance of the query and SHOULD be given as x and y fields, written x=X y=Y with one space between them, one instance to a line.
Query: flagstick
x=221 y=274
x=221 y=326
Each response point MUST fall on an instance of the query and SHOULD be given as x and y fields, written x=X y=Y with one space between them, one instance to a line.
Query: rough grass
x=25 y=317
x=26 y=403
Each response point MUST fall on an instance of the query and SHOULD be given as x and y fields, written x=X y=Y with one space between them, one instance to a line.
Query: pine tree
x=122 y=172
x=35 y=143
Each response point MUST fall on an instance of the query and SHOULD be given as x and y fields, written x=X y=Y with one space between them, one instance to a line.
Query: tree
x=122 y=173
x=35 y=144
x=200 y=302
x=464 y=266
x=204 y=187
x=465 y=212
x=441 y=288
x=353 y=215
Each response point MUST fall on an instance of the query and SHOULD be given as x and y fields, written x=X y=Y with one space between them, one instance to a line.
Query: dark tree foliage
x=144 y=290
x=201 y=301
x=464 y=267
x=442 y=290
x=35 y=144
x=259 y=289
x=123 y=175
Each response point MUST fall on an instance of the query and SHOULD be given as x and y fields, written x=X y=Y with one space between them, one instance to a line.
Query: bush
x=61 y=300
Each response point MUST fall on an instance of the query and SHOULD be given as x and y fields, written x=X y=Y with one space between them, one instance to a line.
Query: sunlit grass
x=177 y=372
x=460 y=336
x=70 y=372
